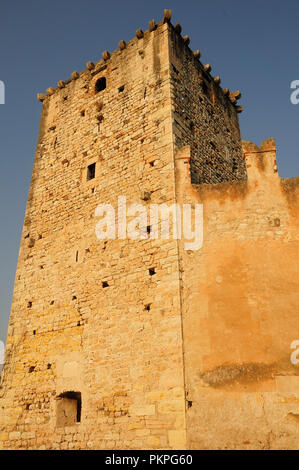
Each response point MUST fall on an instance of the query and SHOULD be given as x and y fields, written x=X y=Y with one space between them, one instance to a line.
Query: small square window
x=91 y=171
x=68 y=409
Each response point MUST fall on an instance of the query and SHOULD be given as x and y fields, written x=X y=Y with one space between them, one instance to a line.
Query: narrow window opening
x=77 y=256
x=49 y=366
x=83 y=113
x=68 y=409
x=29 y=305
x=149 y=229
x=100 y=84
x=91 y=171
x=34 y=332
x=152 y=271
x=52 y=302
x=189 y=403
x=174 y=69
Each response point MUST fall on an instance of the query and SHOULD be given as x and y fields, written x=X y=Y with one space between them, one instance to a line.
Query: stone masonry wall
x=119 y=346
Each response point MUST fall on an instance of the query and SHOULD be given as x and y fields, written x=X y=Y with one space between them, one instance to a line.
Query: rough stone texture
x=240 y=298
x=208 y=365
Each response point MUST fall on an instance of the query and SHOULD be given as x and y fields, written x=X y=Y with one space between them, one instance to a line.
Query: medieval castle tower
x=142 y=344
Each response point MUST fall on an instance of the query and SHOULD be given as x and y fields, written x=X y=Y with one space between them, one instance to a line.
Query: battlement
x=94 y=68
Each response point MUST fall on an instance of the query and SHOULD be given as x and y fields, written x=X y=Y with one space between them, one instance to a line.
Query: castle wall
x=241 y=309
x=204 y=118
x=67 y=332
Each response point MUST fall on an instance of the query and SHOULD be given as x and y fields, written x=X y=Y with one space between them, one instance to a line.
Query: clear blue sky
x=252 y=45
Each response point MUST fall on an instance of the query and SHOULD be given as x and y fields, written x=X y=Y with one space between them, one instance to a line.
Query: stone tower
x=141 y=344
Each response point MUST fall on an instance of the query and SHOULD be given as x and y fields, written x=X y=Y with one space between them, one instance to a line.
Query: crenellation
x=167 y=16
x=122 y=45
x=50 y=91
x=106 y=55
x=75 y=75
x=139 y=34
x=152 y=26
x=90 y=65
x=207 y=68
